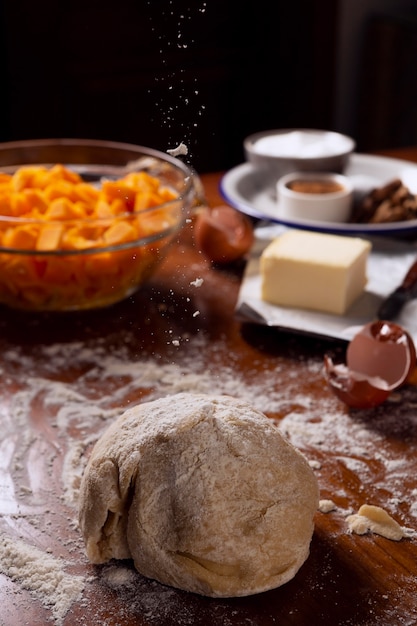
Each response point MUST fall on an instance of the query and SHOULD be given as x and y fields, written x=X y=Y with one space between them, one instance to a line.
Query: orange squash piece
x=57 y=210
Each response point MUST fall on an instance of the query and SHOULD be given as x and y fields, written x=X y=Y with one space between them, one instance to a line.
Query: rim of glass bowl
x=125 y=154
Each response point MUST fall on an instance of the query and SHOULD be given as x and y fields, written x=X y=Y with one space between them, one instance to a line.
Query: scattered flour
x=117 y=576
x=59 y=422
x=41 y=574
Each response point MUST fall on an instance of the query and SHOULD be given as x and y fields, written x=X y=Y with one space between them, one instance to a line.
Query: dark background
x=158 y=72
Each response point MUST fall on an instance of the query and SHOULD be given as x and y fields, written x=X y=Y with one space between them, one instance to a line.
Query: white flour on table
x=103 y=384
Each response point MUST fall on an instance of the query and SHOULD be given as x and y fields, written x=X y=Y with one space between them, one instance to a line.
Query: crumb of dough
x=325 y=506
x=314 y=464
x=373 y=519
x=180 y=150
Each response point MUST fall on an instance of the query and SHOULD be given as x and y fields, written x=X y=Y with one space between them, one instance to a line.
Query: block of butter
x=309 y=270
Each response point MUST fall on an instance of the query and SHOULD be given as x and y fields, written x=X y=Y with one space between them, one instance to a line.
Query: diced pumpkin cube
x=5 y=204
x=141 y=181
x=120 y=207
x=21 y=237
x=103 y=209
x=145 y=200
x=23 y=177
x=154 y=222
x=80 y=238
x=119 y=232
x=62 y=209
x=60 y=172
x=60 y=189
x=87 y=193
x=20 y=204
x=36 y=200
x=49 y=237
x=117 y=189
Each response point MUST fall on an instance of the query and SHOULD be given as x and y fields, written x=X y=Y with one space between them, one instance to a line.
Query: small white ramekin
x=327 y=206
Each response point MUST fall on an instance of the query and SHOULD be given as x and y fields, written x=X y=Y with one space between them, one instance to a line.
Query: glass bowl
x=95 y=243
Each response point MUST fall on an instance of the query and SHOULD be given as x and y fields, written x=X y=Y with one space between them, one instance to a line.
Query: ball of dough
x=203 y=492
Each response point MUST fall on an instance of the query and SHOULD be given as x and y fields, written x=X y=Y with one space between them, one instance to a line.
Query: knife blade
x=406 y=291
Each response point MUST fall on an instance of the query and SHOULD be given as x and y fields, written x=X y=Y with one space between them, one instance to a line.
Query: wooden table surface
x=65 y=377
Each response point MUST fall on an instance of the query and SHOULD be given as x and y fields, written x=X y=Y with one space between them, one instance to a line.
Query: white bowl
x=278 y=152
x=315 y=196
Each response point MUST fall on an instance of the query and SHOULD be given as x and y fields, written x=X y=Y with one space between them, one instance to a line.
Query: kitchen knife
x=392 y=305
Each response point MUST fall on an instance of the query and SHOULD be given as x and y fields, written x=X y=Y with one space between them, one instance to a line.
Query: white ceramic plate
x=243 y=188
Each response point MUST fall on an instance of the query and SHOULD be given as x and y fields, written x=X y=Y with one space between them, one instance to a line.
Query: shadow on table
x=327 y=590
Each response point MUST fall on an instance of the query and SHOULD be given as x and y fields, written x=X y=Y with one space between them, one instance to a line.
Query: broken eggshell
x=379 y=359
x=223 y=234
